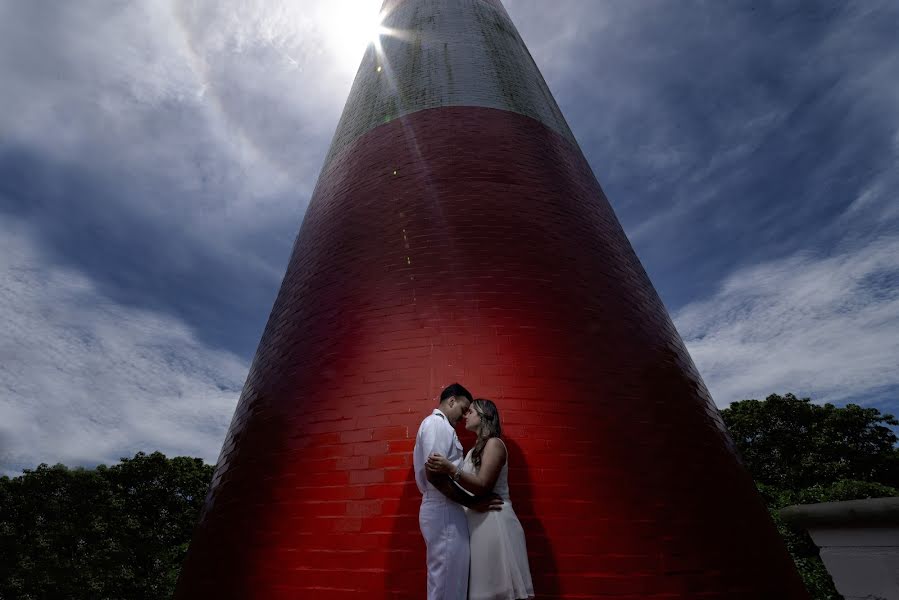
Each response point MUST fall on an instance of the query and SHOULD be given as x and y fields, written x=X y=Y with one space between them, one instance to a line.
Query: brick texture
x=473 y=244
x=445 y=53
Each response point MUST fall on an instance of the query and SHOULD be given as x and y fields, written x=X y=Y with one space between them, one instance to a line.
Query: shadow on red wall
x=540 y=551
x=405 y=575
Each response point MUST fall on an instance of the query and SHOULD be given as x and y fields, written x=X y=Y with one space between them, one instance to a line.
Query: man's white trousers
x=445 y=529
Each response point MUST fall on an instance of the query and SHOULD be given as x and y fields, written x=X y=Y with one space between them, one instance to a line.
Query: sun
x=349 y=26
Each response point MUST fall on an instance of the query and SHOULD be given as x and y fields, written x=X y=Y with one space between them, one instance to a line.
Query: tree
x=790 y=443
x=108 y=532
x=801 y=453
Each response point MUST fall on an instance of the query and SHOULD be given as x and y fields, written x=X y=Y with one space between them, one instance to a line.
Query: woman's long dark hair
x=490 y=427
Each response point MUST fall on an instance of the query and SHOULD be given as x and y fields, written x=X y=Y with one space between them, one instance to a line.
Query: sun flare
x=349 y=27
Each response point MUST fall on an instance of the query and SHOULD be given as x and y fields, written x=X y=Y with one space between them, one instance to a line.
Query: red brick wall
x=475 y=245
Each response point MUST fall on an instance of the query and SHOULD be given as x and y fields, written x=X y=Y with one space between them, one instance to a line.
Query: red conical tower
x=458 y=234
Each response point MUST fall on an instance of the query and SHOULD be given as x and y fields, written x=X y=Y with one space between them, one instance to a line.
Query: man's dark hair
x=455 y=389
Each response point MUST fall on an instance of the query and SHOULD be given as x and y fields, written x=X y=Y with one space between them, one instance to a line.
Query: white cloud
x=231 y=104
x=85 y=380
x=214 y=118
x=821 y=326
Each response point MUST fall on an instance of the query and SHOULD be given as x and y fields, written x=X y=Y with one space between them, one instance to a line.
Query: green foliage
x=791 y=443
x=799 y=542
x=108 y=532
x=800 y=453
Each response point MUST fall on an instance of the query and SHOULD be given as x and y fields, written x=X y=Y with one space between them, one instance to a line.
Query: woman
x=499 y=559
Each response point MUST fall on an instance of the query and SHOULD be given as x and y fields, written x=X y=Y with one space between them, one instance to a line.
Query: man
x=441 y=518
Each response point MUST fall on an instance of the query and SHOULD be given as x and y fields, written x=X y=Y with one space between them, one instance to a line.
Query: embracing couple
x=475 y=543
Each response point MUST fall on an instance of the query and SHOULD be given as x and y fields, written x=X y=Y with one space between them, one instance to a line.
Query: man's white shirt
x=435 y=434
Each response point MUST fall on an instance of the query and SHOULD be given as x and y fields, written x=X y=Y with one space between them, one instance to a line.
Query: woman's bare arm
x=492 y=460
x=480 y=503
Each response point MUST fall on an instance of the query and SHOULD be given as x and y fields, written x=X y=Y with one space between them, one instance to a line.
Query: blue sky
x=156 y=160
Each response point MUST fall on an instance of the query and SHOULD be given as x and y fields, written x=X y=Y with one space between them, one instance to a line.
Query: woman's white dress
x=499 y=556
